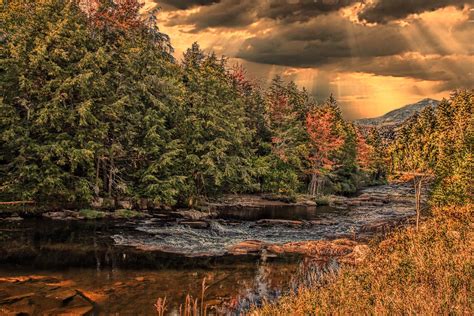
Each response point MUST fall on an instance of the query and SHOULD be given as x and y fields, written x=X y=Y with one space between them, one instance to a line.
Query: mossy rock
x=92 y=214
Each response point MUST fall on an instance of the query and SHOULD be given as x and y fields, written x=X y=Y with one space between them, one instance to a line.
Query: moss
x=91 y=214
x=322 y=200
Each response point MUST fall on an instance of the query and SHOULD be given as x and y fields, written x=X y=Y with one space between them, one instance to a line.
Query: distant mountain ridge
x=397 y=117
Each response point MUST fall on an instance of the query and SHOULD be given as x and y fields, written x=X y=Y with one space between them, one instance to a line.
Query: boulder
x=125 y=204
x=192 y=214
x=97 y=203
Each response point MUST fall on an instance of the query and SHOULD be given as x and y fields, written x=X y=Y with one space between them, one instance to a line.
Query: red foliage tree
x=238 y=75
x=364 y=151
x=113 y=14
x=323 y=141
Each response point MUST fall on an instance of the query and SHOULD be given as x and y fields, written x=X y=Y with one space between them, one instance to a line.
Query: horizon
x=335 y=47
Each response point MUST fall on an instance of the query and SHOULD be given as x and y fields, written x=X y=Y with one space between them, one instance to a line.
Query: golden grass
x=429 y=272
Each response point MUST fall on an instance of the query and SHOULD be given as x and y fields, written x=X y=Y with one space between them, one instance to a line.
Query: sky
x=372 y=55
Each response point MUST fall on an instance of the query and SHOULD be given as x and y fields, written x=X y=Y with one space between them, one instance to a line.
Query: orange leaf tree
x=323 y=141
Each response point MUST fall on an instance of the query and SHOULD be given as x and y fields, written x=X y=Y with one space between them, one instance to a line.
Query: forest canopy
x=95 y=105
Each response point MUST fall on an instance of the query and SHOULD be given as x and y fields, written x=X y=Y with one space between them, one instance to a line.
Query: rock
x=308 y=203
x=246 y=247
x=125 y=204
x=54 y=215
x=142 y=204
x=77 y=306
x=97 y=203
x=353 y=203
x=271 y=222
x=13 y=218
x=21 y=307
x=192 y=214
x=16 y=298
x=195 y=224
x=62 y=294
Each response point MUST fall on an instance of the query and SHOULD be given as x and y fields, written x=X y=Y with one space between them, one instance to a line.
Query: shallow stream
x=125 y=265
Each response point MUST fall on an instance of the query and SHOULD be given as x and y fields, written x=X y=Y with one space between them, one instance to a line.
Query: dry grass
x=429 y=272
x=190 y=307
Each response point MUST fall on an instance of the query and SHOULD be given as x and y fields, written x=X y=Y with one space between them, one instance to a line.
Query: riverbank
x=429 y=272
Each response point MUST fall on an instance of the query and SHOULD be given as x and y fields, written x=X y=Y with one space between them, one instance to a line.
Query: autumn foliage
x=115 y=14
x=364 y=151
x=323 y=141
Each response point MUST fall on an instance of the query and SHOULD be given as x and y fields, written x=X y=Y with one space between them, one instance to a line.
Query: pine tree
x=212 y=128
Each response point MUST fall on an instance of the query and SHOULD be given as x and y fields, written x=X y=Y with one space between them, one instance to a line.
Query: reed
x=190 y=307
x=160 y=306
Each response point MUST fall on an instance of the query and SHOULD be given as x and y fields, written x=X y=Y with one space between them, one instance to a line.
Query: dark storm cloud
x=185 y=4
x=383 y=11
x=301 y=10
x=315 y=34
x=241 y=13
x=227 y=13
x=324 y=40
x=332 y=42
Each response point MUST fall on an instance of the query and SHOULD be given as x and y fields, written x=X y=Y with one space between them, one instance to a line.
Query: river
x=123 y=266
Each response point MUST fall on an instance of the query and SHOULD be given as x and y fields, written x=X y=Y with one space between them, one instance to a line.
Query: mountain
x=397 y=117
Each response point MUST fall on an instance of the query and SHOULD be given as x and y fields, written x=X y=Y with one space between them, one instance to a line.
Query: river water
x=125 y=265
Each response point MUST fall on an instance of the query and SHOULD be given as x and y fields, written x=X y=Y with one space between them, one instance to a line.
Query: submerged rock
x=42 y=296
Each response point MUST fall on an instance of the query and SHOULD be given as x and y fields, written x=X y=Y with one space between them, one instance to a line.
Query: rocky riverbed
x=123 y=263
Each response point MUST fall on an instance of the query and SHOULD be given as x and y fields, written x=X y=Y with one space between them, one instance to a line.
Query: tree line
x=94 y=105
x=438 y=143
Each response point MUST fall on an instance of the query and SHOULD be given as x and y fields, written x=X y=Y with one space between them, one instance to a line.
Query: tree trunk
x=111 y=175
x=313 y=185
x=418 y=185
x=97 y=174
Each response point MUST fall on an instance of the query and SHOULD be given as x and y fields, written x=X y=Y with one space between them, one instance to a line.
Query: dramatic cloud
x=360 y=50
x=383 y=11
x=232 y=13
x=323 y=40
x=227 y=13
x=300 y=10
x=185 y=4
